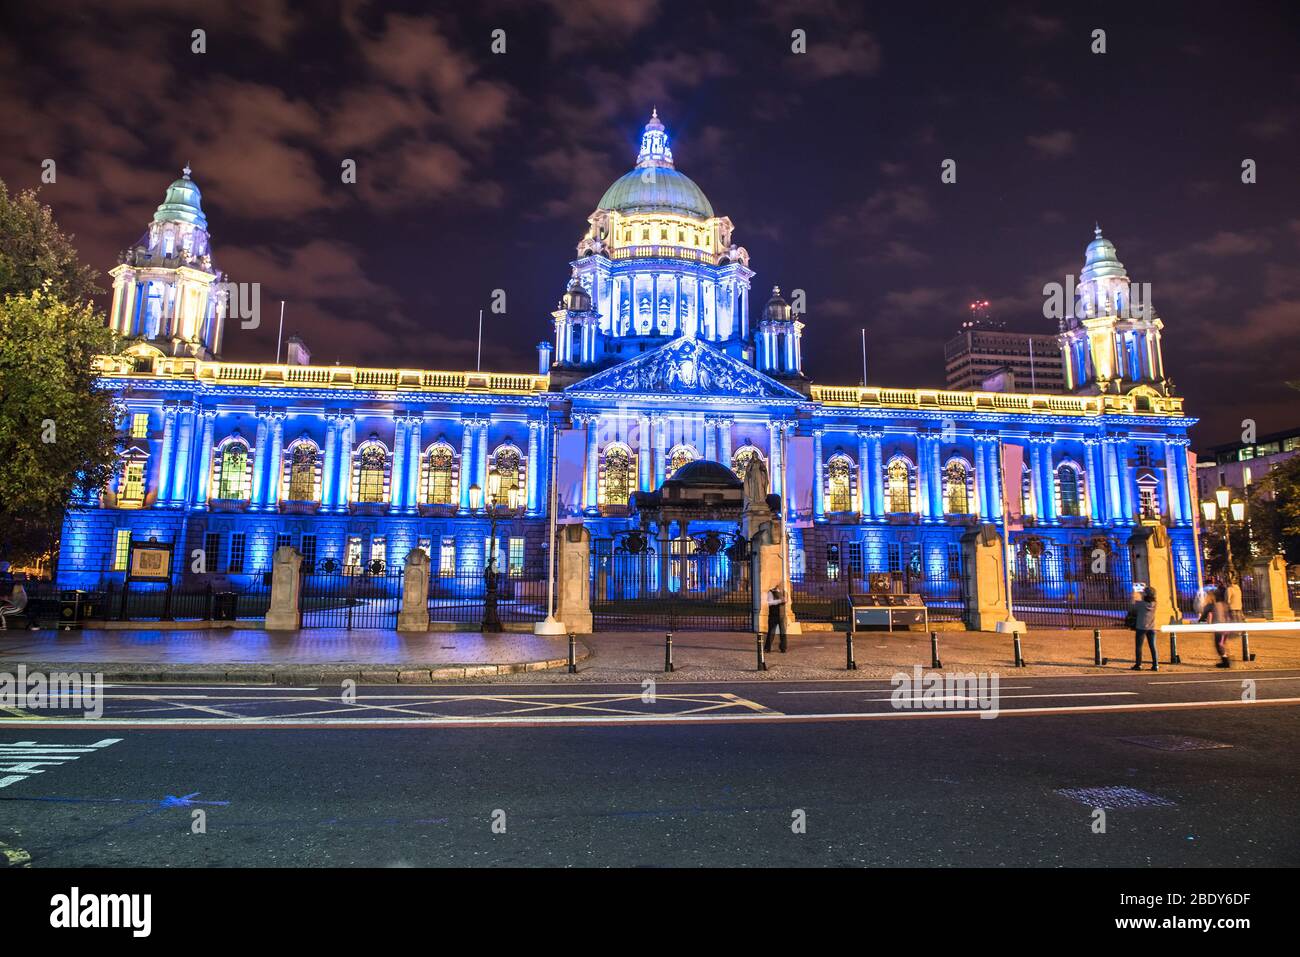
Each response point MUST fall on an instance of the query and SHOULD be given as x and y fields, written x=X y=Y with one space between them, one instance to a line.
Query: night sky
x=477 y=171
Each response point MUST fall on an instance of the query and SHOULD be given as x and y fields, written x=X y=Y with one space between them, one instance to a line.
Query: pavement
x=387 y=657
x=1125 y=770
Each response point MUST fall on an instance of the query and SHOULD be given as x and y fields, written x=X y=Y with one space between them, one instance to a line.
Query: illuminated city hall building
x=658 y=359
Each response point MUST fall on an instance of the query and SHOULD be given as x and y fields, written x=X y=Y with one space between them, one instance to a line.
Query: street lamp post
x=1223 y=505
x=491 y=619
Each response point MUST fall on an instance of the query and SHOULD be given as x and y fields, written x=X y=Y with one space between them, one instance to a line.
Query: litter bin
x=223 y=605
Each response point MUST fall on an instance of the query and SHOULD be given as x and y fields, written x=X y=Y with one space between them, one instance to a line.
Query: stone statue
x=756 y=484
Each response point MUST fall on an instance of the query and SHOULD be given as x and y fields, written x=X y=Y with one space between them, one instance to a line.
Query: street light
x=491 y=620
x=1222 y=506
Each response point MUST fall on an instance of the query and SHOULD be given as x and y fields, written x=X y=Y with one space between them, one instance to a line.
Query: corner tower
x=166 y=289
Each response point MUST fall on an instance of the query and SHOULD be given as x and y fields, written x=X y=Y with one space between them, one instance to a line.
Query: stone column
x=936 y=479
x=260 y=454
x=481 y=448
x=1125 y=478
x=724 y=438
x=1174 y=493
x=995 y=476
x=165 y=457
x=330 y=467
x=397 y=473
x=1270 y=576
x=347 y=443
x=981 y=478
x=205 y=460
x=819 y=490
x=923 y=474
x=275 y=463
x=414 y=614
x=286 y=586
x=984 y=558
x=184 y=451
x=466 y=462
x=1110 y=475
x=1036 y=477
x=1045 y=441
x=534 y=463
x=661 y=451
x=645 y=454
x=1153 y=564
x=591 y=470
x=573 y=579
x=775 y=430
x=711 y=439
x=866 y=503
x=414 y=457
x=1090 y=455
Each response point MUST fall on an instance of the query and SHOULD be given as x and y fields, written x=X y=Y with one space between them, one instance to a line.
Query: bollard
x=1097 y=659
x=1020 y=658
x=573 y=654
x=848 y=643
x=934 y=650
x=1245 y=648
x=758 y=642
x=668 y=651
x=1173 y=650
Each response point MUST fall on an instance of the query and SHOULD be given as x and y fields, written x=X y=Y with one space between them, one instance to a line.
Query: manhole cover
x=1114 y=798
x=1175 y=742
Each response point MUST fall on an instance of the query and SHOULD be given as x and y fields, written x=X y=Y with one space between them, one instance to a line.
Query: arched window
x=442 y=463
x=372 y=464
x=740 y=460
x=1067 y=481
x=505 y=463
x=618 y=475
x=839 y=484
x=898 y=486
x=302 y=472
x=956 y=497
x=232 y=477
x=679 y=456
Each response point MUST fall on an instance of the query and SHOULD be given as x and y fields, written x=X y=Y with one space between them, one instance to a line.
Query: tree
x=57 y=433
x=33 y=251
x=1275 y=510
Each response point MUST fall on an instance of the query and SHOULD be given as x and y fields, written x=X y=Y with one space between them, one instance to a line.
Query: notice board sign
x=150 y=562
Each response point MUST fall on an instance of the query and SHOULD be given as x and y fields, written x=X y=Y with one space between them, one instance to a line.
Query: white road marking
x=26 y=756
x=1221 y=681
x=861 y=690
x=489 y=721
x=164 y=689
x=960 y=697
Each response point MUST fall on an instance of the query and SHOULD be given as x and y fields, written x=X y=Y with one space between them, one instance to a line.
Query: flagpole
x=864 y=355
x=280 y=335
x=478 y=363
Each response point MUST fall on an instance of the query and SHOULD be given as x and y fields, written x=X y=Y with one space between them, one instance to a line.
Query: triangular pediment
x=685 y=366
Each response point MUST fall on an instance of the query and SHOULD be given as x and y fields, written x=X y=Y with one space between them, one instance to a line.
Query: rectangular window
x=140 y=425
x=121 y=549
x=500 y=555
x=954 y=562
x=832 y=561
x=378 y=552
x=309 y=552
x=425 y=545
x=447 y=557
x=516 y=557
x=282 y=539
x=894 y=555
x=211 y=551
x=238 y=545
x=353 y=559
x=855 y=559
x=133 y=483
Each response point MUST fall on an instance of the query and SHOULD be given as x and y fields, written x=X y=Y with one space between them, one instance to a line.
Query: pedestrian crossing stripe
x=19 y=760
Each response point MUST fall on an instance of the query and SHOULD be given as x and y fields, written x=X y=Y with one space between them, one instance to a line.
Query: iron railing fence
x=688 y=589
x=460 y=597
x=1075 y=585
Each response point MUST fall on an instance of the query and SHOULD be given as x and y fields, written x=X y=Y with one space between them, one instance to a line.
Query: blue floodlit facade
x=656 y=359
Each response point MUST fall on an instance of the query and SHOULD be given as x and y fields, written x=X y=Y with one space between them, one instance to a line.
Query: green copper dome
x=654 y=185
x=183 y=203
x=657 y=190
x=1100 y=259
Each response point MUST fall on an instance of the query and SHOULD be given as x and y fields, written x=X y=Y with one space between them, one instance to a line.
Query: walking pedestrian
x=775 y=601
x=1217 y=612
x=1143 y=615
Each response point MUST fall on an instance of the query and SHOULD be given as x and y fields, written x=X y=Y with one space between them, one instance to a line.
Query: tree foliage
x=57 y=432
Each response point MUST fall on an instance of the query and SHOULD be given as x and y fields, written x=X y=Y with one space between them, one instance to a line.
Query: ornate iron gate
x=1074 y=585
x=700 y=584
x=366 y=596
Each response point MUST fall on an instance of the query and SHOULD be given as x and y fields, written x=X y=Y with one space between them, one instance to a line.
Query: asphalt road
x=589 y=781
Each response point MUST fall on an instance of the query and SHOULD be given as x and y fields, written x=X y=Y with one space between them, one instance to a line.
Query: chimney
x=297 y=353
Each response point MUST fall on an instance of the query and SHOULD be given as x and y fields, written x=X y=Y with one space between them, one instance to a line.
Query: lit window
x=447 y=557
x=370 y=473
x=740 y=461
x=233 y=481
x=353 y=560
x=378 y=554
x=302 y=473
x=441 y=462
x=133 y=483
x=505 y=464
x=238 y=546
x=140 y=425
x=679 y=457
x=121 y=549
x=516 y=557
x=1067 y=480
x=839 y=487
x=618 y=475
x=899 y=490
x=956 y=500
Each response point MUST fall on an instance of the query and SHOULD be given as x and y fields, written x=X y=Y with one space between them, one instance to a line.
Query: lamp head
x=475 y=497
x=1210 y=510
x=1223 y=495
x=1238 y=510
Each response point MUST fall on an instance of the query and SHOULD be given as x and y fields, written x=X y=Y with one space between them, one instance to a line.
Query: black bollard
x=668 y=651
x=1245 y=648
x=573 y=654
x=1173 y=650
x=1020 y=658
x=934 y=650
x=758 y=643
x=848 y=644
x=1097 y=659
